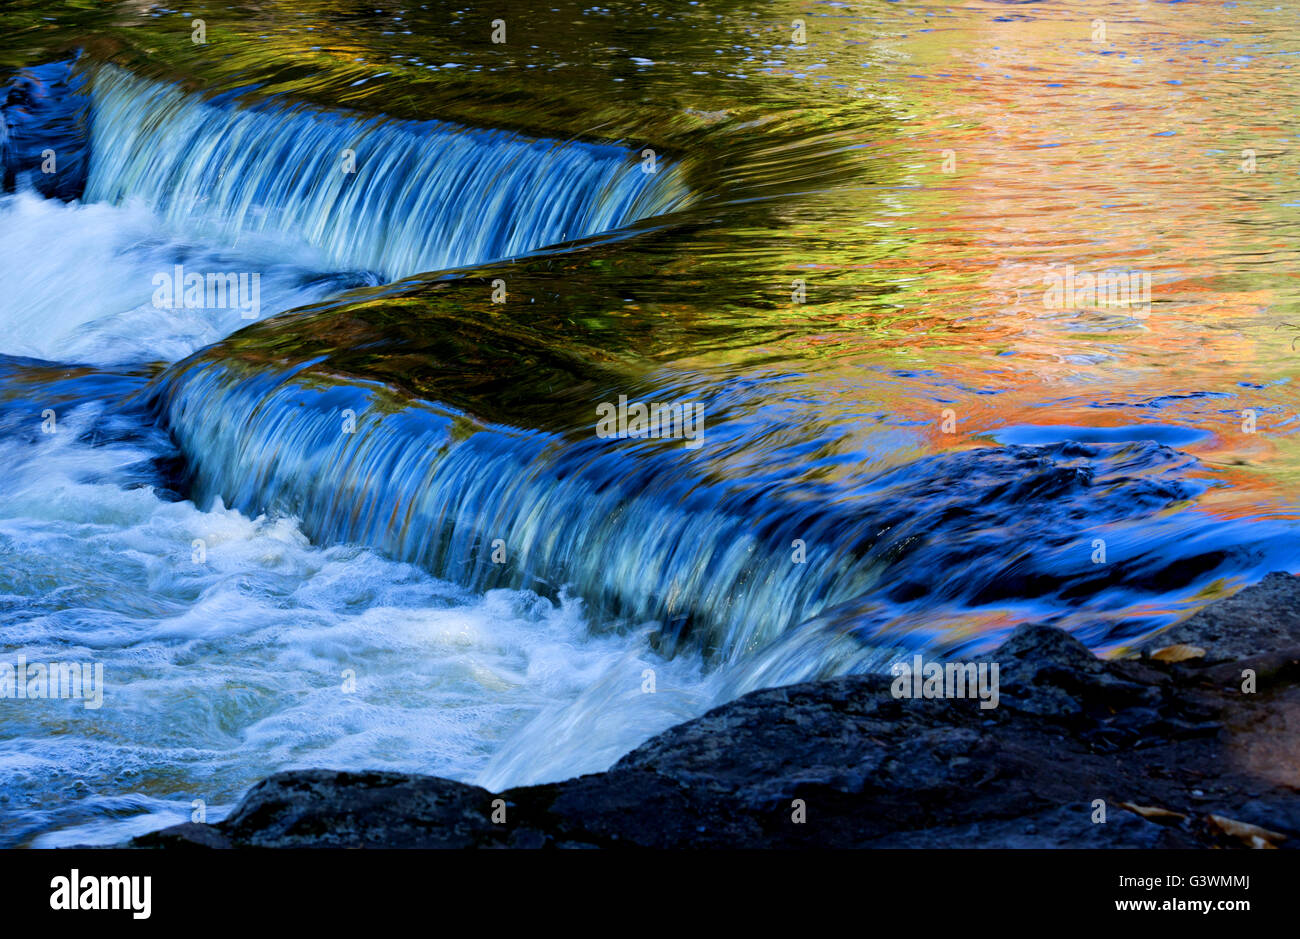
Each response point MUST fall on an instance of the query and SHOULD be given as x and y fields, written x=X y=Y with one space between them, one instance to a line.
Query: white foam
x=221 y=672
x=77 y=283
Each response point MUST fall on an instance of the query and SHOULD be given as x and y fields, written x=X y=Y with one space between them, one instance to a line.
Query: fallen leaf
x=1152 y=811
x=1179 y=653
x=1252 y=835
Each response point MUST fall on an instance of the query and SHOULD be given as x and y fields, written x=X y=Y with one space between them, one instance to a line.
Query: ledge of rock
x=1202 y=751
x=1258 y=620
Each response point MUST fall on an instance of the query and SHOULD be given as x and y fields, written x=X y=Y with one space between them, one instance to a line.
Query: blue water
x=369 y=194
x=282 y=569
x=219 y=669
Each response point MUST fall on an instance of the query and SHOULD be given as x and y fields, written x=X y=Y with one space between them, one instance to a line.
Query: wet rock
x=1257 y=620
x=1080 y=752
x=319 y=808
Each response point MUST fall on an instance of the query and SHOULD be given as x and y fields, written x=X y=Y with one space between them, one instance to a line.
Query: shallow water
x=845 y=255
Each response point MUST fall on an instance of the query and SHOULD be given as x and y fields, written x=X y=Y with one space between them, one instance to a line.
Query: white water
x=221 y=672
x=174 y=180
x=218 y=673
x=78 y=282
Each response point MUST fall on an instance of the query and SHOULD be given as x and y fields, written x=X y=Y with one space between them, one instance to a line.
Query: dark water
x=865 y=256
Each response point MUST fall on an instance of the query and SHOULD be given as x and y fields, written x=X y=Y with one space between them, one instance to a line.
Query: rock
x=1046 y=671
x=188 y=835
x=843 y=763
x=1260 y=619
x=1054 y=828
x=318 y=808
x=1281 y=815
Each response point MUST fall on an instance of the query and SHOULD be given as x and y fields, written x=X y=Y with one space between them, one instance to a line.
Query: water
x=247 y=647
x=102 y=312
x=217 y=670
x=369 y=194
x=373 y=527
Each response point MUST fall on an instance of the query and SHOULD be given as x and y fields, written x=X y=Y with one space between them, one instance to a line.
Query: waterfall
x=637 y=536
x=369 y=193
x=645 y=533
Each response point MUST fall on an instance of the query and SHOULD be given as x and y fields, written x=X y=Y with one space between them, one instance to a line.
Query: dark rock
x=188 y=835
x=1275 y=814
x=1046 y=671
x=1054 y=828
x=44 y=108
x=318 y=808
x=1260 y=619
x=843 y=763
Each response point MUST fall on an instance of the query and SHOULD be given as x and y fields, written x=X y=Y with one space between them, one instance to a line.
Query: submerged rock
x=1080 y=752
x=43 y=131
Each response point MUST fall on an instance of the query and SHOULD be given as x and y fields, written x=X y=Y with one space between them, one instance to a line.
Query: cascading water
x=397 y=198
x=761 y=586
x=335 y=539
x=102 y=565
x=644 y=542
x=727 y=567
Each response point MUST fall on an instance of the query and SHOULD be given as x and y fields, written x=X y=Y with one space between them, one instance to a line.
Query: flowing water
x=351 y=509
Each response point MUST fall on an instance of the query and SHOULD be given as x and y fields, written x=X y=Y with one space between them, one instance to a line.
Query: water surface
x=845 y=255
